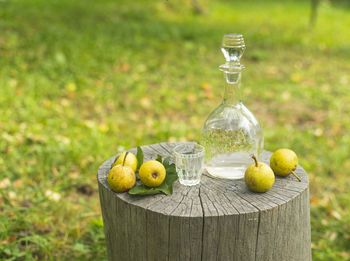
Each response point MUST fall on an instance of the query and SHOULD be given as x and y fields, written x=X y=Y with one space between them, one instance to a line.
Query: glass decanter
x=231 y=133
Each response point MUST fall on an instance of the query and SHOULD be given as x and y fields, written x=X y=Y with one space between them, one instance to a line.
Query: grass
x=83 y=80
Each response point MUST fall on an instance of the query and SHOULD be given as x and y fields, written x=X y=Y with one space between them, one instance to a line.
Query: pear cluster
x=122 y=176
x=259 y=177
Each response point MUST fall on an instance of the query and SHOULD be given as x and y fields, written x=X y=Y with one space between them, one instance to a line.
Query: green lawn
x=83 y=80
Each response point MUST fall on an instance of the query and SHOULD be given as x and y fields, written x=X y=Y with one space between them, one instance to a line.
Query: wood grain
x=216 y=220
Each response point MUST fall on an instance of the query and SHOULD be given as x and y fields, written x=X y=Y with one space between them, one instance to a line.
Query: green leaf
x=165 y=188
x=97 y=222
x=166 y=161
x=171 y=175
x=159 y=158
x=143 y=190
x=139 y=157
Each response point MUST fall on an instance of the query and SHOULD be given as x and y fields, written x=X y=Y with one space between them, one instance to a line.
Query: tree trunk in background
x=313 y=13
x=197 y=7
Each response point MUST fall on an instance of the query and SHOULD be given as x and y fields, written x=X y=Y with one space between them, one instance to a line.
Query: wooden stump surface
x=215 y=220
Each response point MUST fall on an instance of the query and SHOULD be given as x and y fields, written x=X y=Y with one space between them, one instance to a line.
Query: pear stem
x=256 y=161
x=126 y=154
x=296 y=176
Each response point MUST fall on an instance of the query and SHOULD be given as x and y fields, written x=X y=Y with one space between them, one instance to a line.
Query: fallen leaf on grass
x=314 y=201
x=208 y=93
x=125 y=67
x=42 y=228
x=286 y=96
x=65 y=102
x=191 y=98
x=12 y=195
x=103 y=127
x=6 y=150
x=55 y=171
x=71 y=87
x=145 y=102
x=344 y=254
x=13 y=82
x=318 y=132
x=296 y=77
x=17 y=183
x=54 y=196
x=74 y=175
x=149 y=122
x=9 y=240
x=206 y=86
x=47 y=103
x=71 y=95
x=272 y=70
x=332 y=236
x=172 y=139
x=344 y=79
x=5 y=183
x=90 y=124
x=7 y=137
x=336 y=215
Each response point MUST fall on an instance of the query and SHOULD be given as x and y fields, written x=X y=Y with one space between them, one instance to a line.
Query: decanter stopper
x=233 y=47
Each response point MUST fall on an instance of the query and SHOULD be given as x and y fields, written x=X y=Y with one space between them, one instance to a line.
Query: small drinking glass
x=189 y=161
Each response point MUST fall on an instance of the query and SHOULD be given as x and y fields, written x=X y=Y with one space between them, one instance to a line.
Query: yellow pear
x=129 y=159
x=121 y=178
x=283 y=162
x=259 y=177
x=152 y=173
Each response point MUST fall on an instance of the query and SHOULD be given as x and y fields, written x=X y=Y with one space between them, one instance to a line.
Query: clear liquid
x=229 y=166
x=228 y=152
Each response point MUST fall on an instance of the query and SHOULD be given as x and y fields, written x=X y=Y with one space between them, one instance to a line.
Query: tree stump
x=215 y=220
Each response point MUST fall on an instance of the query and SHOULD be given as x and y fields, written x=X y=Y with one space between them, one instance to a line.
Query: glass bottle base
x=189 y=182
x=226 y=172
x=229 y=166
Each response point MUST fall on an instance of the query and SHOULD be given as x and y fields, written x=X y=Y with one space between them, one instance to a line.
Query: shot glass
x=189 y=161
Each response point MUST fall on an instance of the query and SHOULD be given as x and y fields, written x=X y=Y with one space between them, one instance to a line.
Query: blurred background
x=83 y=80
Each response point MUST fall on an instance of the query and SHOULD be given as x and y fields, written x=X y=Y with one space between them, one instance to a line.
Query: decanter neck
x=232 y=88
x=232 y=48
